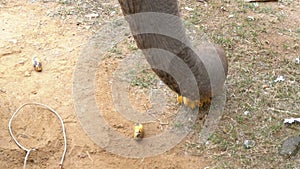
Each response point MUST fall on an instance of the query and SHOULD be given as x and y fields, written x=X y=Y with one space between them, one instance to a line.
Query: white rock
x=27 y=74
x=246 y=113
x=14 y=41
x=250 y=18
x=188 y=8
x=291 y=120
x=297 y=60
x=112 y=13
x=92 y=15
x=249 y=144
x=279 y=79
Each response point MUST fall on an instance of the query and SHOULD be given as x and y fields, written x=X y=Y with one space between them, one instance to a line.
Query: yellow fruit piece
x=179 y=99
x=37 y=65
x=186 y=101
x=138 y=131
x=192 y=105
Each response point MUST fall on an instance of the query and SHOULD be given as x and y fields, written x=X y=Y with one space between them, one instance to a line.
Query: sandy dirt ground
x=26 y=31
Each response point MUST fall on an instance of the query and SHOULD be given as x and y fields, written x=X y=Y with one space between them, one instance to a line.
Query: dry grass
x=262 y=43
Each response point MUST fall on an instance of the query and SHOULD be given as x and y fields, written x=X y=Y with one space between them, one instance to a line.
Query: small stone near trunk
x=290 y=146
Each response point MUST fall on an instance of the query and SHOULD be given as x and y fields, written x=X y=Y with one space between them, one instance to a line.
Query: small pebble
x=14 y=41
x=112 y=13
x=290 y=146
x=265 y=86
x=92 y=15
x=249 y=144
x=279 y=79
x=297 y=60
x=230 y=16
x=119 y=126
x=21 y=62
x=250 y=18
x=82 y=155
x=246 y=113
x=27 y=74
x=188 y=8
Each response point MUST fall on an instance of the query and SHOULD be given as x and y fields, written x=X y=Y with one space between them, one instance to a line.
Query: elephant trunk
x=155 y=24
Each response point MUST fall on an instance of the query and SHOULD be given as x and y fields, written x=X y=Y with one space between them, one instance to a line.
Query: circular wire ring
x=28 y=150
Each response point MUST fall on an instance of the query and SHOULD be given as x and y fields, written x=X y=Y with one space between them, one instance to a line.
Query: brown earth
x=27 y=31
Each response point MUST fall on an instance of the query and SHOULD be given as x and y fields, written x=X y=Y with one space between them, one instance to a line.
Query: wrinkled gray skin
x=179 y=48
